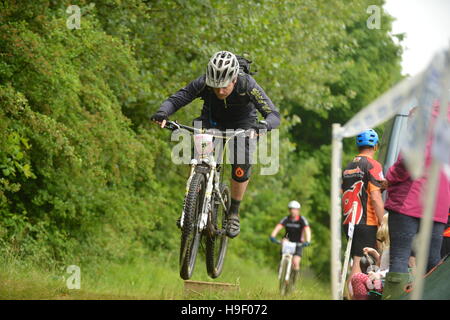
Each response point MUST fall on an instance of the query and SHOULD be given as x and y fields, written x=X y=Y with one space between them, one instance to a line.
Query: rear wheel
x=190 y=236
x=216 y=243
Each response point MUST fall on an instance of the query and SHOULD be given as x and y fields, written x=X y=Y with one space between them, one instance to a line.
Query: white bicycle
x=206 y=202
x=285 y=277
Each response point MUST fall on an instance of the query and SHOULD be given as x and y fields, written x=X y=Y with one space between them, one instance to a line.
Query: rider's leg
x=239 y=182
x=240 y=174
x=238 y=189
x=237 y=194
x=241 y=168
x=295 y=268
x=296 y=262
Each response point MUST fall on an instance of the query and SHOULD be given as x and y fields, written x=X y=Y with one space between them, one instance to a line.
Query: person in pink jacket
x=405 y=207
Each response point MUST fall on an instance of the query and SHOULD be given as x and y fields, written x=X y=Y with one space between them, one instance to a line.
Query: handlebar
x=174 y=125
x=299 y=244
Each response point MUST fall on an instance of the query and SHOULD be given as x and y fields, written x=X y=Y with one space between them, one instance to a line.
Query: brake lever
x=172 y=125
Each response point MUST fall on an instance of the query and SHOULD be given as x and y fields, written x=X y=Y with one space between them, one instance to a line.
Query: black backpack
x=244 y=65
x=244 y=70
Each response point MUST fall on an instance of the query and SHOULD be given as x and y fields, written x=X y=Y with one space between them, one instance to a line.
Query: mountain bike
x=206 y=202
x=286 y=280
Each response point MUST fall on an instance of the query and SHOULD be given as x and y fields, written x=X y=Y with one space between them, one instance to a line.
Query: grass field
x=148 y=278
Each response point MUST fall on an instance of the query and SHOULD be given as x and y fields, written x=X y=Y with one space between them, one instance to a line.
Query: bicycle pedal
x=178 y=223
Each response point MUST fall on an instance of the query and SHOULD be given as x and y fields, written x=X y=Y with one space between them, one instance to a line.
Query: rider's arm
x=306 y=229
x=276 y=230
x=307 y=234
x=263 y=104
x=183 y=96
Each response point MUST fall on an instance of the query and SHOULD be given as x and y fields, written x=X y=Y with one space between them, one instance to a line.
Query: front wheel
x=284 y=269
x=217 y=241
x=190 y=237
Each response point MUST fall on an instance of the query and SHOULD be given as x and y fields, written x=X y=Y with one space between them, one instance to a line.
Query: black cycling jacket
x=294 y=227
x=238 y=110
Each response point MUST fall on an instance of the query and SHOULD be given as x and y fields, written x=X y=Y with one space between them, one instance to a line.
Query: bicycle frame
x=288 y=271
x=205 y=160
x=289 y=256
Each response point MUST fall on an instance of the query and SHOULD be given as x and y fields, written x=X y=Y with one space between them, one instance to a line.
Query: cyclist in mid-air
x=231 y=98
x=295 y=224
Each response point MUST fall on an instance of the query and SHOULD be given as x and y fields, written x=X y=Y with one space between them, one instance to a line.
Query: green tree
x=84 y=175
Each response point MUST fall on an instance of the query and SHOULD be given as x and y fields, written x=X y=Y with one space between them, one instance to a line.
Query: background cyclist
x=297 y=230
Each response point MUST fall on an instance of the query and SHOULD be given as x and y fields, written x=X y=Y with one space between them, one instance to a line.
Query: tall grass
x=151 y=277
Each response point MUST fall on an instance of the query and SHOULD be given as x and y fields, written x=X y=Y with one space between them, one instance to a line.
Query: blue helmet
x=367 y=138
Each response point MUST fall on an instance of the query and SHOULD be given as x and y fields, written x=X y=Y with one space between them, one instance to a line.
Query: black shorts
x=298 y=251
x=242 y=148
x=363 y=236
x=241 y=157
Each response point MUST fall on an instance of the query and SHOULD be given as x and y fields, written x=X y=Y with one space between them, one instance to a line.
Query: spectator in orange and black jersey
x=361 y=199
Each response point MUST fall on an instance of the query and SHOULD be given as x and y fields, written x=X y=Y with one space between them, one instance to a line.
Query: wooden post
x=198 y=287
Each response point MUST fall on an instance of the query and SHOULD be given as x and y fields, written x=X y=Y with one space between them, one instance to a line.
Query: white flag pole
x=335 y=214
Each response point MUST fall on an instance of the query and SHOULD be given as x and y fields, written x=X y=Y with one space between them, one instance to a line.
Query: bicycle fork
x=188 y=184
x=212 y=183
x=288 y=270
x=206 y=209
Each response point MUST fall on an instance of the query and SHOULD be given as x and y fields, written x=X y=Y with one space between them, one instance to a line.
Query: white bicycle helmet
x=222 y=69
x=294 y=205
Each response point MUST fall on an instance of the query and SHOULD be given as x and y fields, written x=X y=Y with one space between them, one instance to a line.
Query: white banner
x=421 y=90
x=433 y=89
x=385 y=107
x=441 y=143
